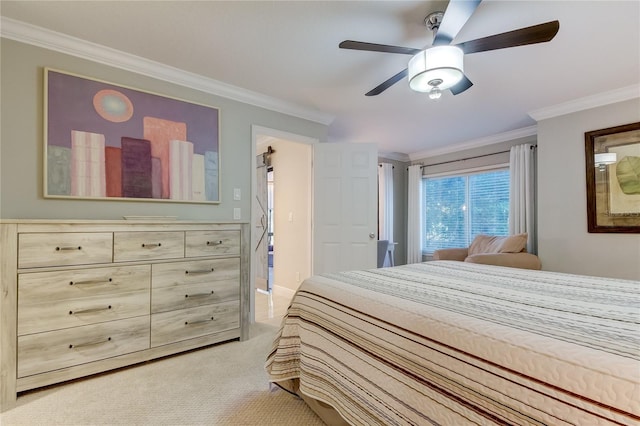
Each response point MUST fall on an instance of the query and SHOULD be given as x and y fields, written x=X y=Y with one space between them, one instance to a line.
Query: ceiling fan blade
x=461 y=86
x=374 y=47
x=530 y=35
x=388 y=83
x=457 y=14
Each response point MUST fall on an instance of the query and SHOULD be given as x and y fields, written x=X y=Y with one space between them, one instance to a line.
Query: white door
x=345 y=210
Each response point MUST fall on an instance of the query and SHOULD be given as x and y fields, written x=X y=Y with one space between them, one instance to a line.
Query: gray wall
x=21 y=140
x=564 y=244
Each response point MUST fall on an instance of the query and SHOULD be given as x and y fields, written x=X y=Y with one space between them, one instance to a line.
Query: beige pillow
x=488 y=244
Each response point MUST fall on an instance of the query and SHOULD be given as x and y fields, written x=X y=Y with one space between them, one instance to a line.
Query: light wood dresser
x=82 y=297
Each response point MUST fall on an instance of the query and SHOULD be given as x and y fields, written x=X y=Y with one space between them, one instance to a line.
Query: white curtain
x=522 y=196
x=414 y=215
x=385 y=202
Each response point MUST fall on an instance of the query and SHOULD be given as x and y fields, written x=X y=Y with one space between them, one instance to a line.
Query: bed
x=453 y=343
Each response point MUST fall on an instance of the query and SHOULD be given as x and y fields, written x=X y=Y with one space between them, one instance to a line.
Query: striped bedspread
x=453 y=343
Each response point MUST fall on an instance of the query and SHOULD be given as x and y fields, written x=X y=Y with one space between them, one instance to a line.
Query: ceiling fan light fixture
x=435 y=93
x=444 y=63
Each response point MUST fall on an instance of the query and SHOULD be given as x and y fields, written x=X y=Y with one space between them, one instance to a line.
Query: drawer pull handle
x=199 y=271
x=199 y=321
x=82 y=345
x=152 y=245
x=198 y=294
x=89 y=310
x=68 y=248
x=214 y=243
x=108 y=280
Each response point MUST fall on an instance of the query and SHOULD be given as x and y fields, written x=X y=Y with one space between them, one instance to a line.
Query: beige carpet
x=221 y=385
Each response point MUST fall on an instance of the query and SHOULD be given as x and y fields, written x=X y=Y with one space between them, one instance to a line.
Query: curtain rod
x=471 y=158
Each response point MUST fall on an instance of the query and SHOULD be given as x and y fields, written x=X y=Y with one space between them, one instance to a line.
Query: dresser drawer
x=188 y=284
x=45 y=287
x=195 y=271
x=59 y=314
x=61 y=299
x=191 y=295
x=42 y=352
x=174 y=326
x=130 y=246
x=208 y=243
x=64 y=248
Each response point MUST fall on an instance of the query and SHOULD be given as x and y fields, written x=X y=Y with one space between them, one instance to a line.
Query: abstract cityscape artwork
x=105 y=141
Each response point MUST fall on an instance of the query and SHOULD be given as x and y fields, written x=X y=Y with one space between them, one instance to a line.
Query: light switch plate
x=236 y=194
x=237 y=214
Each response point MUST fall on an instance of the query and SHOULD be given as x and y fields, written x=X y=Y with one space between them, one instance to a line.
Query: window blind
x=459 y=207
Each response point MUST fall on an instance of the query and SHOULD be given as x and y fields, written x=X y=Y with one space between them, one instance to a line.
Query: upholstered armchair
x=501 y=251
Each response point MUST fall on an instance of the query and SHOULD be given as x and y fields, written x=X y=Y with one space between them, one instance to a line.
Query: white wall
x=292 y=218
x=564 y=245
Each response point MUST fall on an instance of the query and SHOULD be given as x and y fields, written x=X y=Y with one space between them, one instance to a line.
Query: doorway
x=305 y=176
x=287 y=217
x=264 y=212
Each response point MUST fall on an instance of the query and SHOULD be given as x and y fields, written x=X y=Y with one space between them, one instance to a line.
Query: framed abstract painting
x=109 y=142
x=613 y=179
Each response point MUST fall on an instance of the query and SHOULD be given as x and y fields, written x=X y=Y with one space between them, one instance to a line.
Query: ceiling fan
x=440 y=66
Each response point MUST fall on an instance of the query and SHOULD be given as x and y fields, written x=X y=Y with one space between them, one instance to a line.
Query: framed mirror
x=613 y=179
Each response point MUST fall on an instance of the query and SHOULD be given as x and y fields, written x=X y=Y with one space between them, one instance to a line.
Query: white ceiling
x=289 y=50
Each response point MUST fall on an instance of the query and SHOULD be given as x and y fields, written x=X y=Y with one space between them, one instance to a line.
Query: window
x=457 y=208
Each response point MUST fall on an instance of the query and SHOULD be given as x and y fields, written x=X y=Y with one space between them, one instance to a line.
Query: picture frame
x=613 y=183
x=105 y=141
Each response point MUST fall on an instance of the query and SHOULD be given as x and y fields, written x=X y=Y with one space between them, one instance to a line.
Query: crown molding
x=476 y=143
x=397 y=156
x=613 y=96
x=51 y=40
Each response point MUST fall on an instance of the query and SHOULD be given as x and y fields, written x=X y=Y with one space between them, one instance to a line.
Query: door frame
x=257 y=132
